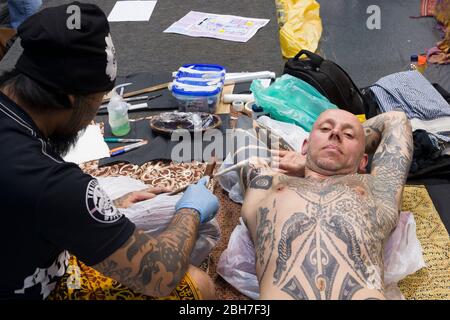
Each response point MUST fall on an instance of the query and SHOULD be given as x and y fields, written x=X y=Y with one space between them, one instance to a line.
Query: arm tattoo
x=252 y=176
x=391 y=131
x=261 y=182
x=152 y=265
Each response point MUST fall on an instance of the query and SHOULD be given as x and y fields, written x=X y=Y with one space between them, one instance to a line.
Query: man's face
x=80 y=116
x=336 y=144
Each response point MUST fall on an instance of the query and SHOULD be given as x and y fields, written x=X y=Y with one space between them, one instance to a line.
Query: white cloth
x=89 y=146
x=154 y=215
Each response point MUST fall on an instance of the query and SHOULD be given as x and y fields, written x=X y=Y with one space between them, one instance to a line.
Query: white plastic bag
x=230 y=181
x=154 y=215
x=291 y=133
x=403 y=252
x=237 y=264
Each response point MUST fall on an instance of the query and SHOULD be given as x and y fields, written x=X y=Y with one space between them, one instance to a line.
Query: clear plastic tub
x=197 y=87
x=197 y=101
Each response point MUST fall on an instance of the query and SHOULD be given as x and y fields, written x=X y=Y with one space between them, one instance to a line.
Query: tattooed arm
x=389 y=136
x=155 y=265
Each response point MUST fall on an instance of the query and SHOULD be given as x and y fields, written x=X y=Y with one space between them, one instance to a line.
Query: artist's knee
x=203 y=282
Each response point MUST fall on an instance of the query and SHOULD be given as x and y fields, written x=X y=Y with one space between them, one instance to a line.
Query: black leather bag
x=329 y=79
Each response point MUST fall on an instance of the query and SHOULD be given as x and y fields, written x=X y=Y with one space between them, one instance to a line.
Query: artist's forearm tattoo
x=155 y=265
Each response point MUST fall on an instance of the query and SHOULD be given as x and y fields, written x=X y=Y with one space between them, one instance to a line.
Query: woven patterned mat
x=432 y=282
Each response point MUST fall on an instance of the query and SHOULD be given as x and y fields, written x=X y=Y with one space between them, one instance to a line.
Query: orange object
x=422 y=63
x=422 y=60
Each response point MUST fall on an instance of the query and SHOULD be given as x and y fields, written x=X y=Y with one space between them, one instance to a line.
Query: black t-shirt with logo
x=49 y=208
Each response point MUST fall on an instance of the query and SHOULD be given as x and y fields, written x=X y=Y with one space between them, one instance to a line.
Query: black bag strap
x=315 y=58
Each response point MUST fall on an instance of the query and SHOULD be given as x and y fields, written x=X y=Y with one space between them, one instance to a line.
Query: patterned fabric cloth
x=411 y=92
x=427 y=8
x=441 y=52
x=85 y=283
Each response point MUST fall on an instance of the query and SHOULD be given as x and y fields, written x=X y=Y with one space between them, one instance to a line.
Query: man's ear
x=363 y=163
x=305 y=147
x=71 y=99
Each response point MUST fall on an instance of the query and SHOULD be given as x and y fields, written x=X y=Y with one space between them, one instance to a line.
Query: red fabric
x=427 y=8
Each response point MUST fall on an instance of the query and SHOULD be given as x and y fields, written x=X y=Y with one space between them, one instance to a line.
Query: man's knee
x=203 y=282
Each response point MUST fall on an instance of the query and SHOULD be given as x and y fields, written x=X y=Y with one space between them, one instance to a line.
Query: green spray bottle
x=118 y=112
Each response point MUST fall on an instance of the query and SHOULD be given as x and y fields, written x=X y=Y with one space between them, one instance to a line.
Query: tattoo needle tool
x=208 y=172
x=118 y=140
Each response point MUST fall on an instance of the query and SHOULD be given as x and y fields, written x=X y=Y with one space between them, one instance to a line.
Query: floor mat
x=432 y=282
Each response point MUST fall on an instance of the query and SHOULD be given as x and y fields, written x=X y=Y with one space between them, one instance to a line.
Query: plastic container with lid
x=197 y=87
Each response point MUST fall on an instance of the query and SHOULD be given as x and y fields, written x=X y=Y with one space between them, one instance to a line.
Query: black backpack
x=329 y=79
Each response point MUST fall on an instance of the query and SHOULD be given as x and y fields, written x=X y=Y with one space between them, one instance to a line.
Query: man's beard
x=62 y=143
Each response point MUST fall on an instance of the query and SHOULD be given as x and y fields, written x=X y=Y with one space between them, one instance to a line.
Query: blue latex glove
x=199 y=198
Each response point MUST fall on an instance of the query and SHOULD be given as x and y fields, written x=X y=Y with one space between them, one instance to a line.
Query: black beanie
x=58 y=55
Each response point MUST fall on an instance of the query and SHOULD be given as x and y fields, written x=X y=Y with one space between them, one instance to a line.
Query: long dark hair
x=43 y=99
x=32 y=93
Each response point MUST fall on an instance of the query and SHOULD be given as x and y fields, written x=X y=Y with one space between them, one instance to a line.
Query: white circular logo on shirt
x=99 y=205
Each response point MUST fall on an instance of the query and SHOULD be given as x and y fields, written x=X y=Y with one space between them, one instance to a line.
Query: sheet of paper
x=90 y=146
x=132 y=11
x=225 y=27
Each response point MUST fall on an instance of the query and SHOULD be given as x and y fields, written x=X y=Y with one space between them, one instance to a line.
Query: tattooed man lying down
x=320 y=227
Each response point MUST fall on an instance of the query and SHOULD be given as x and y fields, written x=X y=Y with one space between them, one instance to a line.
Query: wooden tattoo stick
x=208 y=172
x=142 y=91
